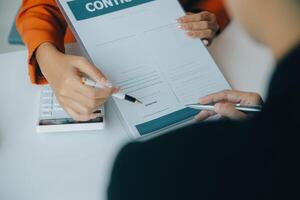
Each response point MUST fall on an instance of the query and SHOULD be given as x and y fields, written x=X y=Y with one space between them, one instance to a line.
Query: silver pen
x=243 y=108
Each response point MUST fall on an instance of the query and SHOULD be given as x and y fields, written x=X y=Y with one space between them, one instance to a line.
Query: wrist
x=48 y=57
x=46 y=52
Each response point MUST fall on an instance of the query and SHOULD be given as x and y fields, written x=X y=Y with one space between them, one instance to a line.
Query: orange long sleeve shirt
x=41 y=21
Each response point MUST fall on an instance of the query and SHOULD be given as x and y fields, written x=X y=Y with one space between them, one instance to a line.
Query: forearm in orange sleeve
x=40 y=21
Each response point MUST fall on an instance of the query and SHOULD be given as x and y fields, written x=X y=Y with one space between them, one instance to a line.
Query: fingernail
x=103 y=80
x=217 y=107
x=205 y=42
x=93 y=116
x=193 y=36
x=116 y=89
x=201 y=100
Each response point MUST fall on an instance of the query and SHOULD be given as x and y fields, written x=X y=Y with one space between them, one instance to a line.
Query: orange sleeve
x=40 y=21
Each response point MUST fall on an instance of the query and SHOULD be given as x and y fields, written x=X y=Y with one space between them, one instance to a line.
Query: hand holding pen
x=225 y=104
x=63 y=73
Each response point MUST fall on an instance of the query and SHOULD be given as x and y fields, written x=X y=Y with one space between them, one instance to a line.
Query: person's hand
x=64 y=73
x=224 y=104
x=201 y=25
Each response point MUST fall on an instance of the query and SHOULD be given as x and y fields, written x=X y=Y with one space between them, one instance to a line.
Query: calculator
x=53 y=118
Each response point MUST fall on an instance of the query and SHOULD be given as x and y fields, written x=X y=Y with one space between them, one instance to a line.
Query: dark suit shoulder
x=170 y=166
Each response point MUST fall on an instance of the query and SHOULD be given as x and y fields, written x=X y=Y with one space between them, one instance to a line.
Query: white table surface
x=76 y=166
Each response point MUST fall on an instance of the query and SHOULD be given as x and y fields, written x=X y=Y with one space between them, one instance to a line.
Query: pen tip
x=138 y=101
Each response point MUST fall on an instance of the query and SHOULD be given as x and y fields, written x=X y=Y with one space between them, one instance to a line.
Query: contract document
x=137 y=45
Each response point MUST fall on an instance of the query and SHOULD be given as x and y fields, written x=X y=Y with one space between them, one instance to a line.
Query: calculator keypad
x=52 y=114
x=50 y=108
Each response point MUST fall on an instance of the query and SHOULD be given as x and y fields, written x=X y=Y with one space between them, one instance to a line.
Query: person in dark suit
x=238 y=158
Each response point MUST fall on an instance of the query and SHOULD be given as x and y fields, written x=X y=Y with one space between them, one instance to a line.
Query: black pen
x=118 y=95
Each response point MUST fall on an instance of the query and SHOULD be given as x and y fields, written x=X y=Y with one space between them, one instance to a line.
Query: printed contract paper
x=137 y=44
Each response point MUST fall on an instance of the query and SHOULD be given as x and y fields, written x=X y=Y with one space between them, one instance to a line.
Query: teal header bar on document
x=166 y=121
x=85 y=9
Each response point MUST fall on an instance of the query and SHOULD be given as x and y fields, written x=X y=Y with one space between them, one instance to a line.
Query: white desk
x=75 y=166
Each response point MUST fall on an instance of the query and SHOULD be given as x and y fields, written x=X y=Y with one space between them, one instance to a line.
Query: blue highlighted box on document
x=166 y=121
